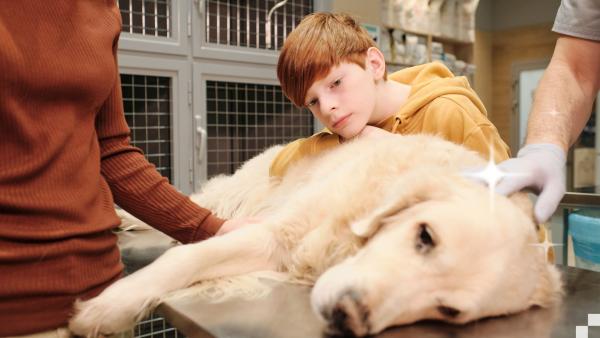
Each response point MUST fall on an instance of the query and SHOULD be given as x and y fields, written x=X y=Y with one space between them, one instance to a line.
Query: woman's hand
x=236 y=223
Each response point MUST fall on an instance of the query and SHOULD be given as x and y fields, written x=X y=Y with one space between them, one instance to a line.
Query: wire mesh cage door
x=243 y=118
x=260 y=24
x=146 y=17
x=147 y=107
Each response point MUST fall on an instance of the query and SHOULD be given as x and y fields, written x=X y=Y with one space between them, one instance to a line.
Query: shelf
x=398 y=64
x=439 y=38
x=463 y=50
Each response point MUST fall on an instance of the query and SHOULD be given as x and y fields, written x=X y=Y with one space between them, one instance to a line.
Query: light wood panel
x=510 y=47
x=483 y=74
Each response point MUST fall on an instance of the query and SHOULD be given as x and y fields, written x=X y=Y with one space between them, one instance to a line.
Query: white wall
x=492 y=15
x=504 y=14
x=483 y=19
x=365 y=11
x=528 y=82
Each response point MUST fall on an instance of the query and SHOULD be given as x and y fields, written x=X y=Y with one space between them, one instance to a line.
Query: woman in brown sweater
x=65 y=159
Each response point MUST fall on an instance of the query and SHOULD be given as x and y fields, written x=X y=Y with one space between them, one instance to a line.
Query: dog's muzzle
x=348 y=317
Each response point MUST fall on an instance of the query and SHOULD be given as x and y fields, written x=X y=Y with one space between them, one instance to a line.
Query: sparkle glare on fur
x=546 y=244
x=492 y=175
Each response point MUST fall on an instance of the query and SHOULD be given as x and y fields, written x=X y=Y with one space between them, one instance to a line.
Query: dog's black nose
x=349 y=317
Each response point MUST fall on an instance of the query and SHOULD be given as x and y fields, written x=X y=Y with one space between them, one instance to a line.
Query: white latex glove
x=540 y=167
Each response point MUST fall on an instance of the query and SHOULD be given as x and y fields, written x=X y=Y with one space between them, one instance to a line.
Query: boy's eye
x=337 y=82
x=311 y=103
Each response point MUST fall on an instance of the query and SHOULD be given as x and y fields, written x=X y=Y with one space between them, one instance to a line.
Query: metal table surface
x=286 y=313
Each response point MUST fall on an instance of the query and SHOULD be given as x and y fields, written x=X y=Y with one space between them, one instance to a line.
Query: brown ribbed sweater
x=64 y=147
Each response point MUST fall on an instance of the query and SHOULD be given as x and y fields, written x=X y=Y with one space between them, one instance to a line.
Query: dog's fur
x=387 y=229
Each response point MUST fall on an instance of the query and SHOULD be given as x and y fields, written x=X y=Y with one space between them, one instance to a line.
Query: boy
x=330 y=65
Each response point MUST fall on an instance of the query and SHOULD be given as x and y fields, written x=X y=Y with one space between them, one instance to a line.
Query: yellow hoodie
x=439 y=103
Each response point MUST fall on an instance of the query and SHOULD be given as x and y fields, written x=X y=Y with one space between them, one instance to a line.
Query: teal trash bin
x=584 y=227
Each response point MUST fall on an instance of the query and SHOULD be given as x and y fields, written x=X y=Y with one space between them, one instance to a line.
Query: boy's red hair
x=320 y=42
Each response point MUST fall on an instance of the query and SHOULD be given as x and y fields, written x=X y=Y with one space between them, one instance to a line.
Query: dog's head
x=439 y=247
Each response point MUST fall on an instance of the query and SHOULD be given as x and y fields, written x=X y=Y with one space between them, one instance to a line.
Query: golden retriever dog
x=387 y=230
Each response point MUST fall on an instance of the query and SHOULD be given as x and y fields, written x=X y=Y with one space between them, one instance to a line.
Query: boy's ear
x=376 y=62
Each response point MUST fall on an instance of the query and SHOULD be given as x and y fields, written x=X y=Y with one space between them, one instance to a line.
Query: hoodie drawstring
x=396 y=124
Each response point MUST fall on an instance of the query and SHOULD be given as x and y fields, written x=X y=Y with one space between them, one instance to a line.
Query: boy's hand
x=537 y=166
x=373 y=132
x=236 y=223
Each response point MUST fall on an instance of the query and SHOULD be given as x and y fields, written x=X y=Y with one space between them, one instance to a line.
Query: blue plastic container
x=584 y=227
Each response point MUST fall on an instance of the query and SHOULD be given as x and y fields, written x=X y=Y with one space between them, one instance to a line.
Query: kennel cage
x=243 y=118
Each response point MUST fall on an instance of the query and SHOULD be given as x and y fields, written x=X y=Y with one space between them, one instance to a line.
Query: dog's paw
x=114 y=311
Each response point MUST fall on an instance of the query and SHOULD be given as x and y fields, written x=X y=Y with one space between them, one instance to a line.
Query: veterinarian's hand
x=540 y=167
x=236 y=223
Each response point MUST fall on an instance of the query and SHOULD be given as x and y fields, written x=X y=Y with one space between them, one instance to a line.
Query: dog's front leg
x=126 y=301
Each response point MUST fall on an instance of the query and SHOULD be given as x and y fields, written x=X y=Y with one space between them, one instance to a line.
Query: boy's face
x=344 y=100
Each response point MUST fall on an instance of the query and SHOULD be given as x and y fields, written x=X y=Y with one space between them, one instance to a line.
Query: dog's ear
x=549 y=288
x=523 y=202
x=368 y=225
x=413 y=188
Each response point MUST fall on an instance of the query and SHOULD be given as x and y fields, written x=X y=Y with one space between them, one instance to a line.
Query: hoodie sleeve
x=456 y=119
x=302 y=148
x=136 y=185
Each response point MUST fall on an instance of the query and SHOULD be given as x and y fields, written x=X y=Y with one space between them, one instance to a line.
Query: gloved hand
x=540 y=167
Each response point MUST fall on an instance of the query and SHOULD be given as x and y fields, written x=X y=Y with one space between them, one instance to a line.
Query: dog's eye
x=448 y=312
x=425 y=241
